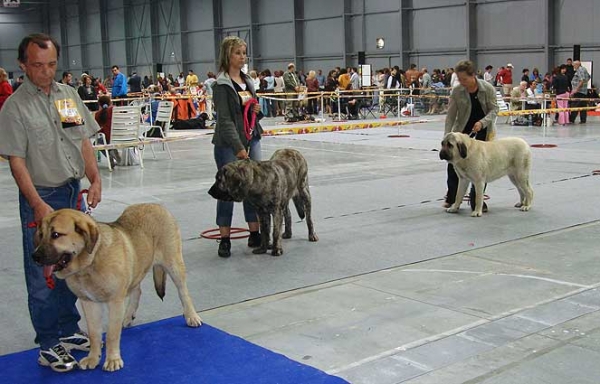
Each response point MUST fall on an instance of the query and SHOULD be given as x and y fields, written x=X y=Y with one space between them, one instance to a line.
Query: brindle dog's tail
x=299 y=203
x=158 y=272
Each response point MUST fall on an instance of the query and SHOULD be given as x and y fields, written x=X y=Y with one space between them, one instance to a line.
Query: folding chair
x=503 y=106
x=367 y=107
x=163 y=124
x=126 y=130
x=100 y=139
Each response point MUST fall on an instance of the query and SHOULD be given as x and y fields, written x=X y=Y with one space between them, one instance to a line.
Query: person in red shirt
x=506 y=76
x=100 y=88
x=5 y=87
x=104 y=119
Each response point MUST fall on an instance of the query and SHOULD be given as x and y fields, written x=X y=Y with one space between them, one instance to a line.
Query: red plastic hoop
x=543 y=145
x=398 y=136
x=213 y=233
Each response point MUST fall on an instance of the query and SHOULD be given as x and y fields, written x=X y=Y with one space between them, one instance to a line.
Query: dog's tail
x=299 y=206
x=158 y=272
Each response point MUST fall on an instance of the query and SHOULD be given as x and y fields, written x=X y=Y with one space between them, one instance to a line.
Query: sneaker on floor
x=254 y=240
x=224 y=248
x=57 y=358
x=79 y=341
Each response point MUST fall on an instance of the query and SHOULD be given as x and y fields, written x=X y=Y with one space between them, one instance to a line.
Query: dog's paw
x=259 y=251
x=525 y=208
x=518 y=205
x=193 y=320
x=113 y=364
x=277 y=251
x=128 y=321
x=313 y=237
x=476 y=214
x=286 y=235
x=452 y=209
x=89 y=362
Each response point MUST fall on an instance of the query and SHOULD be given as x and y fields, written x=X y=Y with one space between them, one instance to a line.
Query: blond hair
x=227 y=46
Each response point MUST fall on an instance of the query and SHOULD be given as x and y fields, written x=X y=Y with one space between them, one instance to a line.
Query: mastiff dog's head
x=454 y=146
x=233 y=181
x=65 y=242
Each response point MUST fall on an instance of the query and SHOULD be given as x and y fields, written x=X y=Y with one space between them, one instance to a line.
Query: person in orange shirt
x=344 y=80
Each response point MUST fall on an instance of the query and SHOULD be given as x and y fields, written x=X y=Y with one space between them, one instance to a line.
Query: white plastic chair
x=162 y=123
x=126 y=130
x=503 y=105
x=100 y=139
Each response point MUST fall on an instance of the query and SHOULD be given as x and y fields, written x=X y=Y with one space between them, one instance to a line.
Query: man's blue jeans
x=53 y=312
x=225 y=155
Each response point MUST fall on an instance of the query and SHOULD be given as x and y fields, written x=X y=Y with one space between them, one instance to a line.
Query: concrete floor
x=396 y=290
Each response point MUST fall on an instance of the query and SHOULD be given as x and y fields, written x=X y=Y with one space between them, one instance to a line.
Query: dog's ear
x=37 y=237
x=88 y=228
x=462 y=149
x=245 y=172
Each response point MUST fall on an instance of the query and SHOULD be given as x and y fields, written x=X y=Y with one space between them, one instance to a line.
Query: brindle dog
x=269 y=186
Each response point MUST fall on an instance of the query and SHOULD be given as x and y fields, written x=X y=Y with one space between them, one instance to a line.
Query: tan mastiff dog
x=481 y=162
x=104 y=263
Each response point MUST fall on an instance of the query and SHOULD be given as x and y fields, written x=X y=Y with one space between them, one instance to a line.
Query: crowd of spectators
x=302 y=89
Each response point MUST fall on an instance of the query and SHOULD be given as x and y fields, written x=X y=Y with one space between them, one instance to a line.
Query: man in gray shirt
x=45 y=134
x=579 y=88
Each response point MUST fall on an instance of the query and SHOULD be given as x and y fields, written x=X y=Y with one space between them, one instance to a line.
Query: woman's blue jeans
x=225 y=155
x=53 y=312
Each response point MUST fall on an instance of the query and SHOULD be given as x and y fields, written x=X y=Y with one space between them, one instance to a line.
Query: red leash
x=49 y=279
x=249 y=125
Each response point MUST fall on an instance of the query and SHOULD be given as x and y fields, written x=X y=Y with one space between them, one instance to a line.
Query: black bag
x=198 y=123
x=154 y=132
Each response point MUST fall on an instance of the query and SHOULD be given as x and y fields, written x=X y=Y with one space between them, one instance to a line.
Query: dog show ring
x=213 y=233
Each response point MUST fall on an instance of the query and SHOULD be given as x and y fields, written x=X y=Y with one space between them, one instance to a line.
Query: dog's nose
x=37 y=256
x=212 y=191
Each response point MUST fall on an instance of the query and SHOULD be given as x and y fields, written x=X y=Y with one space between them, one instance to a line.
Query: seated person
x=533 y=103
x=104 y=119
x=517 y=95
x=349 y=103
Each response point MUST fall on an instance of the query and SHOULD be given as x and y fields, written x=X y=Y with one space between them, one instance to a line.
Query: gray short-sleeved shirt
x=581 y=74
x=47 y=131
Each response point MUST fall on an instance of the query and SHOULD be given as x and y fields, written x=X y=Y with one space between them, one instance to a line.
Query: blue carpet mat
x=168 y=351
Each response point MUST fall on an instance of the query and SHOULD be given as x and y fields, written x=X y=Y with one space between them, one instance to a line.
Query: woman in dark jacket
x=232 y=91
x=87 y=92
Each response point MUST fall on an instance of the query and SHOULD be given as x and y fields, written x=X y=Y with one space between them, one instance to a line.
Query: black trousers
x=576 y=104
x=452 y=180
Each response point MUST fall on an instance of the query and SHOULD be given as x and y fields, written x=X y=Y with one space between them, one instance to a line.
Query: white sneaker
x=57 y=358
x=78 y=341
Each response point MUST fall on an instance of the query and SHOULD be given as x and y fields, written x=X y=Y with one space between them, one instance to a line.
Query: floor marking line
x=560 y=282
